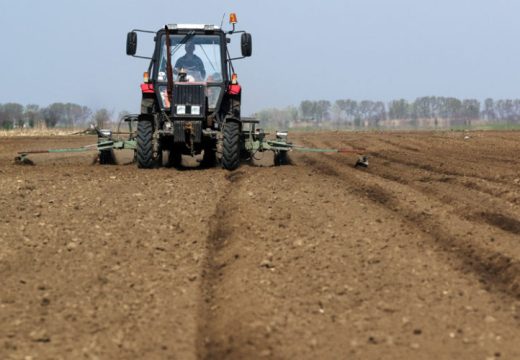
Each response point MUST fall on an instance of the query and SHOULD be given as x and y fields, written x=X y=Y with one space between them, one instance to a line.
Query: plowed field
x=416 y=257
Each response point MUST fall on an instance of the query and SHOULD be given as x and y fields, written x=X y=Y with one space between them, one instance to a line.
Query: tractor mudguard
x=145 y=117
x=231 y=119
x=148 y=104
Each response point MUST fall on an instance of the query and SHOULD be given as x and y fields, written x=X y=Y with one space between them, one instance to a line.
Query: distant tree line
x=424 y=111
x=64 y=115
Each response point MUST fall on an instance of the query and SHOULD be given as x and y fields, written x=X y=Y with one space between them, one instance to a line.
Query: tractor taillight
x=233 y=18
x=146 y=77
x=234 y=79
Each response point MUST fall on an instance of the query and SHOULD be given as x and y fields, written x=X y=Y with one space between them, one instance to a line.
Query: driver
x=190 y=61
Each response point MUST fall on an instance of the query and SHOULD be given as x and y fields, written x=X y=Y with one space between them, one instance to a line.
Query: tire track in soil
x=219 y=232
x=395 y=152
x=400 y=146
x=481 y=196
x=496 y=271
x=501 y=221
x=430 y=168
x=446 y=172
x=504 y=221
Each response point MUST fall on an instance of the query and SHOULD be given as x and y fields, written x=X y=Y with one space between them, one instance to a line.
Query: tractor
x=191 y=97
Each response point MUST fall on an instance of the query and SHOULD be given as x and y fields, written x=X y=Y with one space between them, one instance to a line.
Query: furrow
x=497 y=271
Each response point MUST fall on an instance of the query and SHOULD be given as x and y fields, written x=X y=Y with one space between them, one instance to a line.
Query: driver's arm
x=178 y=65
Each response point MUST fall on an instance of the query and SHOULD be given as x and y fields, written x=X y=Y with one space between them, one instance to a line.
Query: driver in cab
x=191 y=64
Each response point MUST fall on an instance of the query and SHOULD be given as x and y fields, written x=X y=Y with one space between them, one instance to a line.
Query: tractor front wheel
x=231 y=146
x=145 y=158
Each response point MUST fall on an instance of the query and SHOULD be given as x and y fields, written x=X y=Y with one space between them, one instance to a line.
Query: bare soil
x=416 y=257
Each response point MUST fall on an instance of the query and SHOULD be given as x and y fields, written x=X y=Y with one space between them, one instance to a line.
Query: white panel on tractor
x=192 y=27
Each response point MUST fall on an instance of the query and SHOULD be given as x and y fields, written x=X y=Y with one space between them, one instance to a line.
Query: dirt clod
x=39 y=336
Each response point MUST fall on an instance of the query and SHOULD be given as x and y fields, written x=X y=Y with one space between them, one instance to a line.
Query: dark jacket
x=193 y=63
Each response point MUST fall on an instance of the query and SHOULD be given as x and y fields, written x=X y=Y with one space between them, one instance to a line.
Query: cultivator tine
x=362 y=162
x=22 y=159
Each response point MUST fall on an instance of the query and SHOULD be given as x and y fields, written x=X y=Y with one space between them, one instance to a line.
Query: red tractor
x=191 y=97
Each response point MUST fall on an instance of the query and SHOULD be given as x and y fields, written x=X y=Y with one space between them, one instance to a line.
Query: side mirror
x=131 y=43
x=246 y=44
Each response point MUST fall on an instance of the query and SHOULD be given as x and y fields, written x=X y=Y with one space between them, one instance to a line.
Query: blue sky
x=74 y=51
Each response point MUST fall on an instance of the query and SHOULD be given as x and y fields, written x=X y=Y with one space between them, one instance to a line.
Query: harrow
x=254 y=140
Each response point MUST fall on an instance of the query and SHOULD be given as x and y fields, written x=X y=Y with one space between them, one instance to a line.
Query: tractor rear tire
x=145 y=158
x=231 y=146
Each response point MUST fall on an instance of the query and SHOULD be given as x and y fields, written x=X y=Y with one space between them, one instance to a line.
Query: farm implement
x=253 y=140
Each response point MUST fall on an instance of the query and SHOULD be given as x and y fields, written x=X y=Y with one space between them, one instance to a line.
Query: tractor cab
x=196 y=57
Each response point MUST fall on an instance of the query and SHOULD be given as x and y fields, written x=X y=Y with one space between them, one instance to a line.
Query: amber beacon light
x=233 y=18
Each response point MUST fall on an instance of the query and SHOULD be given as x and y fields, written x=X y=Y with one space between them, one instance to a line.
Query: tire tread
x=231 y=146
x=144 y=145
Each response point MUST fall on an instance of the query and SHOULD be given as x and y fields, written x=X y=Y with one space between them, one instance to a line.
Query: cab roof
x=193 y=27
